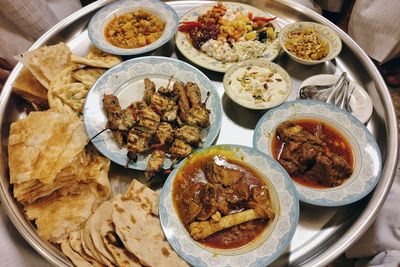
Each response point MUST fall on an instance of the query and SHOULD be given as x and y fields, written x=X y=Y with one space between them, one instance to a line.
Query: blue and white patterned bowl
x=367 y=157
x=126 y=82
x=100 y=20
x=203 y=60
x=335 y=44
x=262 y=251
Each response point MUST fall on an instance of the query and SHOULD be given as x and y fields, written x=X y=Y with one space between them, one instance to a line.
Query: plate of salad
x=216 y=36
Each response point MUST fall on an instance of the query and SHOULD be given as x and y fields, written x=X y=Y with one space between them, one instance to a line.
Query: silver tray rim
x=353 y=233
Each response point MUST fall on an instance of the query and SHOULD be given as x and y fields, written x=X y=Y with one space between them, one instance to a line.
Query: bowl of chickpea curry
x=133 y=27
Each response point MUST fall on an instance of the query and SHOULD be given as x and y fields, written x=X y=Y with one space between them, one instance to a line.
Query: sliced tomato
x=263 y=19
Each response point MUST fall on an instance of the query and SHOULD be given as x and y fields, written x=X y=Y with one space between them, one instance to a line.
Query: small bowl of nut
x=310 y=43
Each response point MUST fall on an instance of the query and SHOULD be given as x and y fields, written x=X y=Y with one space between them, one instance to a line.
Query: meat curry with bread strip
x=223 y=202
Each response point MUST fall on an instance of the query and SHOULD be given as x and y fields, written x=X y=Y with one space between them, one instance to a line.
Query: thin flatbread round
x=75 y=257
x=76 y=244
x=141 y=233
x=111 y=240
x=85 y=247
x=140 y=193
x=87 y=238
x=99 y=217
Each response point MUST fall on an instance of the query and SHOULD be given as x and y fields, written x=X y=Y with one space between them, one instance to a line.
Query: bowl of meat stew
x=231 y=201
x=330 y=156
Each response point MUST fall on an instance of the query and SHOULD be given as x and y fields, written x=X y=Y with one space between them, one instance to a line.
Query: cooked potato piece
x=134 y=29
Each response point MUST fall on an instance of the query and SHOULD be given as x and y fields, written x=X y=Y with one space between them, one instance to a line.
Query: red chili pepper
x=192 y=23
x=188 y=25
x=263 y=19
x=250 y=15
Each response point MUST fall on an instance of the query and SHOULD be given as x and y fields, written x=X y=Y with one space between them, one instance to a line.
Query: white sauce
x=219 y=50
x=257 y=86
x=240 y=51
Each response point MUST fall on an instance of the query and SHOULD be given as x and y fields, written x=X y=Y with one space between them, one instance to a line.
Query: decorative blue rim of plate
x=368 y=160
x=104 y=15
x=263 y=254
x=95 y=118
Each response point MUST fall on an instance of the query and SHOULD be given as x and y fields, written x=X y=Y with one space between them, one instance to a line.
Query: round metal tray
x=322 y=233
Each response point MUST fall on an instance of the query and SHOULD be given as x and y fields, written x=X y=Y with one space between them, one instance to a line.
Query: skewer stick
x=102 y=131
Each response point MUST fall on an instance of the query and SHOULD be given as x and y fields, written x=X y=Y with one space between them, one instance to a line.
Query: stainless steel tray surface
x=322 y=233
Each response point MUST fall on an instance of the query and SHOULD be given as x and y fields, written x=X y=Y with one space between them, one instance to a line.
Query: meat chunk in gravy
x=307 y=154
x=219 y=174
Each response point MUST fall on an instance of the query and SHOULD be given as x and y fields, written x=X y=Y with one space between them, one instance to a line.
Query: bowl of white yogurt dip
x=257 y=84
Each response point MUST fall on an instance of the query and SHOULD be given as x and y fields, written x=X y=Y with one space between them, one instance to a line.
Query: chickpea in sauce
x=134 y=29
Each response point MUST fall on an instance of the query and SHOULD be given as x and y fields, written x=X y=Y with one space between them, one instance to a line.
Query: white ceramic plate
x=335 y=44
x=360 y=102
x=100 y=20
x=126 y=82
x=244 y=99
x=201 y=59
x=366 y=154
x=262 y=251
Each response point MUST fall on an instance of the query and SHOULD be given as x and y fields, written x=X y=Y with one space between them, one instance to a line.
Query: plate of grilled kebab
x=148 y=113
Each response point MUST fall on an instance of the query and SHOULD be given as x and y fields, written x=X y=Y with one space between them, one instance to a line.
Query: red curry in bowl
x=222 y=202
x=313 y=153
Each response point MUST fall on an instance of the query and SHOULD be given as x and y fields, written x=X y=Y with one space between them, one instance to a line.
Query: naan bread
x=29 y=88
x=72 y=95
x=97 y=58
x=43 y=144
x=76 y=244
x=115 y=246
x=88 y=76
x=67 y=96
x=98 y=218
x=75 y=257
x=47 y=62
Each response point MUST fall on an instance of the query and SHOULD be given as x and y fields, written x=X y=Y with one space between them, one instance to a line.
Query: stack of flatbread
x=54 y=77
x=123 y=232
x=56 y=176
